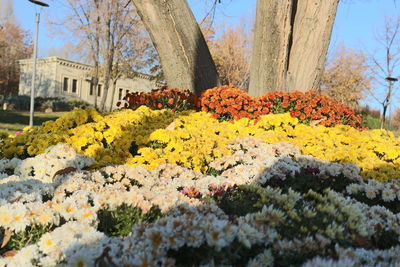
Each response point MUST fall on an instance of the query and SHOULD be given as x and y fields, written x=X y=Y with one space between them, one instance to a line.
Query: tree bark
x=185 y=57
x=312 y=30
x=114 y=86
x=291 y=41
x=271 y=46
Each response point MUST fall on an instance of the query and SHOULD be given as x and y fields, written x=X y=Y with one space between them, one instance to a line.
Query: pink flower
x=18 y=133
x=190 y=192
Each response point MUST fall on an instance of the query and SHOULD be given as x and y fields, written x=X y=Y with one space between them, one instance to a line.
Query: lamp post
x=391 y=81
x=36 y=2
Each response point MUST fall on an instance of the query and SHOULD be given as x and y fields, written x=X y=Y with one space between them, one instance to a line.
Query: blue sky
x=356 y=23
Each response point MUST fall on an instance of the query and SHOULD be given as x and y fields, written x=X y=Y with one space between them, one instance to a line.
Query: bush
x=20 y=102
x=174 y=99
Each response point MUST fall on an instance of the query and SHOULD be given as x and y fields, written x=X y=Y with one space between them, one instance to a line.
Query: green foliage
x=236 y=254
x=308 y=180
x=371 y=122
x=238 y=201
x=31 y=235
x=119 y=222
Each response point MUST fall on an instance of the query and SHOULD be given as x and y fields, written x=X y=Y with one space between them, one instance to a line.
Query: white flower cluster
x=44 y=166
x=58 y=246
x=373 y=189
x=349 y=257
x=258 y=161
x=31 y=199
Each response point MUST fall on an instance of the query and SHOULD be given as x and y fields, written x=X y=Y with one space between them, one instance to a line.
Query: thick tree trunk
x=185 y=58
x=291 y=41
x=271 y=46
x=312 y=30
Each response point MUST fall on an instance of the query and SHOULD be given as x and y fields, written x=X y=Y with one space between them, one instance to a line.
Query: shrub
x=174 y=99
x=20 y=102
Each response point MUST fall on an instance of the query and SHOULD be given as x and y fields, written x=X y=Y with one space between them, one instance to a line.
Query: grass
x=13 y=121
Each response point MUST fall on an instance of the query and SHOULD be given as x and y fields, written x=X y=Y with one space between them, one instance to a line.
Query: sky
x=356 y=24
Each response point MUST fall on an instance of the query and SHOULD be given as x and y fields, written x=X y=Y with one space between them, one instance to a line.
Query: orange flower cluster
x=229 y=103
x=175 y=99
x=312 y=106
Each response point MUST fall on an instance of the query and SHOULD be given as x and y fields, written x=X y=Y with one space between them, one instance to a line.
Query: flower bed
x=265 y=205
x=229 y=103
x=149 y=187
x=194 y=139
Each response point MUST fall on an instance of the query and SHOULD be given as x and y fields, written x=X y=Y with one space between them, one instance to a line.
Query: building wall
x=44 y=82
x=64 y=78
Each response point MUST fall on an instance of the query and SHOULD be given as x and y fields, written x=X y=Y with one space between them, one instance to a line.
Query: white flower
x=20 y=220
x=388 y=195
x=353 y=188
x=47 y=244
x=6 y=216
x=81 y=259
x=48 y=261
x=264 y=259
x=370 y=192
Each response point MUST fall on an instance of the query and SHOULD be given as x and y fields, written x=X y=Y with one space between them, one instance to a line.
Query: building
x=57 y=77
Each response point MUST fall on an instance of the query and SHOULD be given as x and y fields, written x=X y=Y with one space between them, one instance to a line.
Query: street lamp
x=36 y=2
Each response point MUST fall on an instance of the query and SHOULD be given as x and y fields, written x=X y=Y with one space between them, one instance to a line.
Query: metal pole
x=34 y=70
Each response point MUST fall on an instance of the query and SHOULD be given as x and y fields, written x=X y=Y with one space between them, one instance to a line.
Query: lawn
x=12 y=121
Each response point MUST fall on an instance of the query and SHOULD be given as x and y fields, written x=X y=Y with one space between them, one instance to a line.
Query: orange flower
x=171 y=101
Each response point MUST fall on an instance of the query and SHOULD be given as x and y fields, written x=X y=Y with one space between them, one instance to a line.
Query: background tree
x=103 y=29
x=385 y=63
x=231 y=52
x=346 y=77
x=15 y=44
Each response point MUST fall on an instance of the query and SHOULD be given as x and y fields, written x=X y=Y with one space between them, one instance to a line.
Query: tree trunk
x=113 y=93
x=383 y=120
x=185 y=58
x=271 y=46
x=96 y=55
x=312 y=30
x=291 y=41
x=109 y=57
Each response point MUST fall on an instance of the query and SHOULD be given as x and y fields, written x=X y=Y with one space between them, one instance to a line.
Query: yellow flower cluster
x=194 y=139
x=109 y=139
x=34 y=141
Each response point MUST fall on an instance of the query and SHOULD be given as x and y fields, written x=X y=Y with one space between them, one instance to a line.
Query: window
x=99 y=90
x=91 y=89
x=65 y=85
x=74 y=85
x=120 y=94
